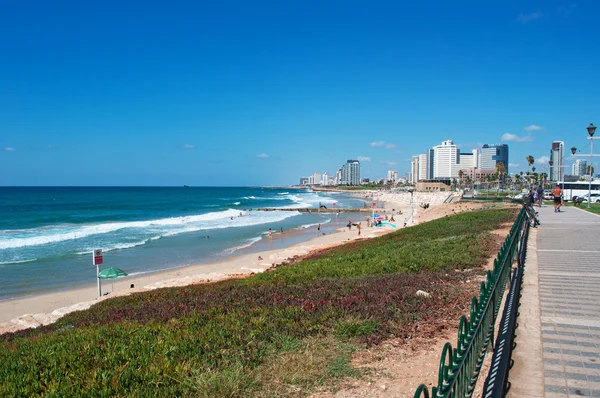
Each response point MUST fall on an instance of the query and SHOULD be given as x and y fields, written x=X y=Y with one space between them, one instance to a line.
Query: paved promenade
x=568 y=260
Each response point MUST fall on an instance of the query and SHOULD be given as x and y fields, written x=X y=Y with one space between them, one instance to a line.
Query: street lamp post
x=591 y=129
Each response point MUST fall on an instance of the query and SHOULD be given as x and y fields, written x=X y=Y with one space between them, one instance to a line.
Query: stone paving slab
x=568 y=255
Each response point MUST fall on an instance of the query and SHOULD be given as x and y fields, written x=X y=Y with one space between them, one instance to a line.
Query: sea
x=48 y=234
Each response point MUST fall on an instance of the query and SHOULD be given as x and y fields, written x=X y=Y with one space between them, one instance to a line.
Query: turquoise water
x=47 y=234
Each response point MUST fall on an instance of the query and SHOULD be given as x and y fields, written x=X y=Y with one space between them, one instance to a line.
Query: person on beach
x=319 y=228
x=540 y=195
x=270 y=233
x=260 y=258
x=280 y=230
x=349 y=225
x=557 y=193
x=358 y=227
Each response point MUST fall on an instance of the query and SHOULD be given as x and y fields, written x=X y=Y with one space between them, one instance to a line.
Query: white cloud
x=513 y=165
x=516 y=138
x=543 y=160
x=9 y=149
x=262 y=155
x=533 y=127
x=382 y=144
x=189 y=146
x=363 y=159
x=390 y=163
x=524 y=18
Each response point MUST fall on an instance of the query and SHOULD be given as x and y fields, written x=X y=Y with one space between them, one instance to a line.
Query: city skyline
x=259 y=94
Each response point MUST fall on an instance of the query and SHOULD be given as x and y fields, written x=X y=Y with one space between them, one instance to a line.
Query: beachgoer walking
x=358 y=227
x=349 y=225
x=540 y=195
x=280 y=229
x=270 y=232
x=557 y=193
x=319 y=228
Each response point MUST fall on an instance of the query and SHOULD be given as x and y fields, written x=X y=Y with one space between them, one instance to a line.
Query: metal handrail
x=460 y=367
x=497 y=383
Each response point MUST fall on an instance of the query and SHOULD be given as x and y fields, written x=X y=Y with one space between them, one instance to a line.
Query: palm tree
x=461 y=175
x=530 y=160
x=500 y=171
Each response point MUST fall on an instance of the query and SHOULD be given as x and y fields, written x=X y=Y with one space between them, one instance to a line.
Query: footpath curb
x=527 y=374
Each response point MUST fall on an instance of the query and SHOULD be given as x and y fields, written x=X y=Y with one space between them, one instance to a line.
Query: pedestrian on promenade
x=557 y=193
x=540 y=194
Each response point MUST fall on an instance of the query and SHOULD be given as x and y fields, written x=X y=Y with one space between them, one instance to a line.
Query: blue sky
x=262 y=93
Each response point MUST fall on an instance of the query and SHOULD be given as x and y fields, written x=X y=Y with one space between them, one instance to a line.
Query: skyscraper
x=579 y=168
x=491 y=155
x=350 y=173
x=414 y=169
x=423 y=167
x=557 y=170
x=445 y=163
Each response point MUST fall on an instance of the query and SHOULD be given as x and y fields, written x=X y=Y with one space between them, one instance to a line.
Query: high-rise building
x=430 y=161
x=326 y=180
x=557 y=170
x=445 y=164
x=392 y=176
x=422 y=167
x=579 y=168
x=350 y=174
x=414 y=170
x=304 y=180
x=491 y=155
x=316 y=178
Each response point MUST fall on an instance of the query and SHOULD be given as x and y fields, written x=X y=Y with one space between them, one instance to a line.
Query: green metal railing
x=459 y=367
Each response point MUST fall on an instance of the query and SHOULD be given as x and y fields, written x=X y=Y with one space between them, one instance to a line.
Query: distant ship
x=186 y=186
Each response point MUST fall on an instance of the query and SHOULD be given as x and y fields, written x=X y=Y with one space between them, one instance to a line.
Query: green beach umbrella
x=111 y=273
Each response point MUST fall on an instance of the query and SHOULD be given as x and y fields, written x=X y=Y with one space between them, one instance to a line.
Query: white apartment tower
x=446 y=158
x=557 y=170
x=350 y=173
x=392 y=176
x=414 y=170
x=423 y=163
x=326 y=180
x=579 y=168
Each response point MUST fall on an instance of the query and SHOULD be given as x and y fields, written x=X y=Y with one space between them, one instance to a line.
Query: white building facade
x=579 y=168
x=350 y=173
x=557 y=170
x=446 y=160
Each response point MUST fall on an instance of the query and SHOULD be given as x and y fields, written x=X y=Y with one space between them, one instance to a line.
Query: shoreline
x=37 y=310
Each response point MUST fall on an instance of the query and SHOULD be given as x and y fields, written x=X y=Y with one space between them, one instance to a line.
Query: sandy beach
x=33 y=311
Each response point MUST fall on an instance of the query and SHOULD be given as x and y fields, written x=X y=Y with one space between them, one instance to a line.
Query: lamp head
x=550 y=162
x=574 y=149
x=533 y=169
x=591 y=129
